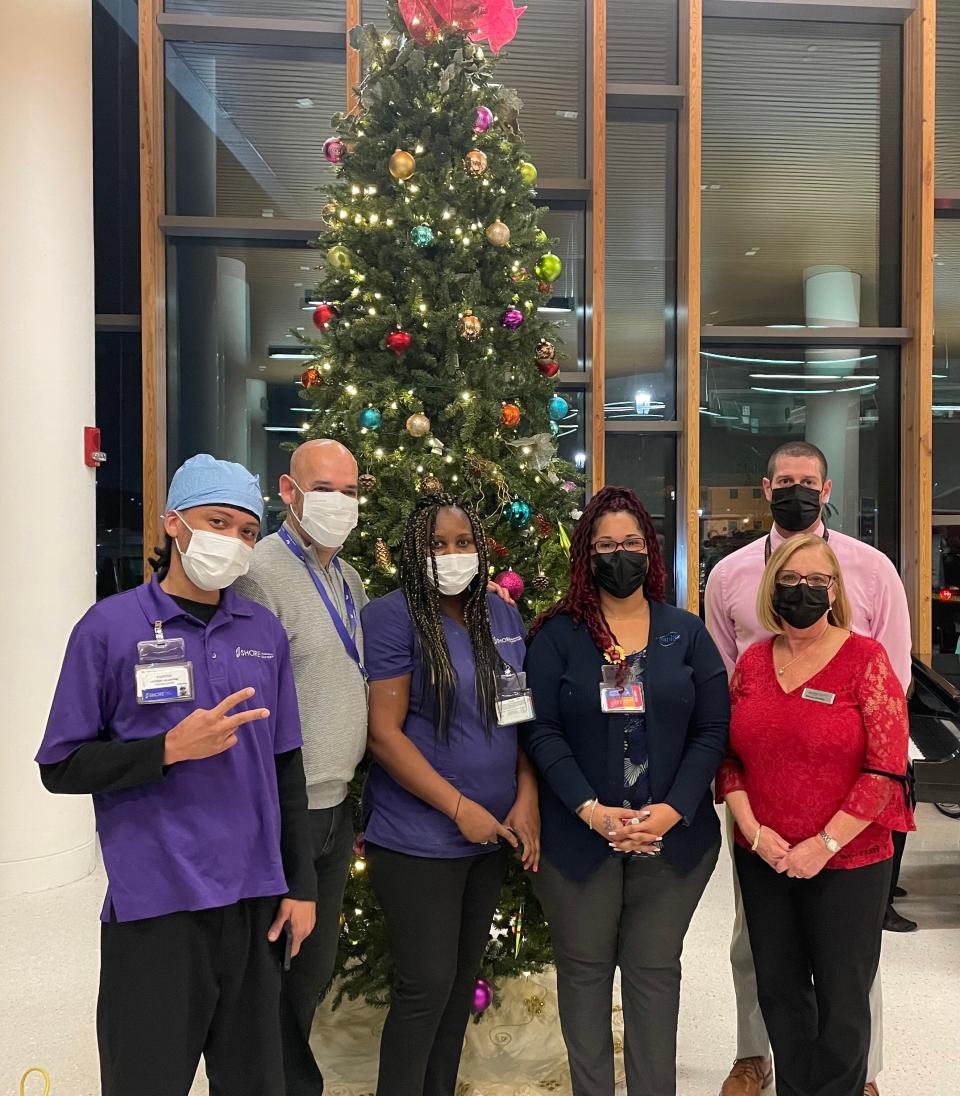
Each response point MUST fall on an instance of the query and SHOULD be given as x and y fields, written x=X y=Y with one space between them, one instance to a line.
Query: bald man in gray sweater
x=296 y=574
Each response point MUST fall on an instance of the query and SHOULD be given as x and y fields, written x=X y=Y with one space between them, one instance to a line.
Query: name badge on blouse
x=162 y=674
x=819 y=696
x=625 y=699
x=514 y=700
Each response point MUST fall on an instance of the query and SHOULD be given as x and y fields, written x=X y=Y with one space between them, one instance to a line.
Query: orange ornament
x=510 y=415
x=311 y=377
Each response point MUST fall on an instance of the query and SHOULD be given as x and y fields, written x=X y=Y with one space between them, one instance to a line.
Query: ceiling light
x=557 y=304
x=786 y=361
x=303 y=104
x=809 y=378
x=290 y=353
x=568 y=115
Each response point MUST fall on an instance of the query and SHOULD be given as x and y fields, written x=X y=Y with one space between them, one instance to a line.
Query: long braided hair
x=423 y=601
x=581 y=600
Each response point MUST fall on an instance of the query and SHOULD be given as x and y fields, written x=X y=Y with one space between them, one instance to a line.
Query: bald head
x=324 y=464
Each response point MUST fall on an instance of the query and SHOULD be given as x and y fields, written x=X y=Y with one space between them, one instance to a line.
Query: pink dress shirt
x=877 y=599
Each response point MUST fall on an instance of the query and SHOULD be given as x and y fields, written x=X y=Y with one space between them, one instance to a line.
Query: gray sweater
x=330 y=688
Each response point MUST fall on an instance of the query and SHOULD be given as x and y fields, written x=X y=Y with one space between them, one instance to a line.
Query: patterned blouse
x=636 y=762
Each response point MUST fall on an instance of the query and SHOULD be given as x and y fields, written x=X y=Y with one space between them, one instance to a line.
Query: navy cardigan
x=578 y=750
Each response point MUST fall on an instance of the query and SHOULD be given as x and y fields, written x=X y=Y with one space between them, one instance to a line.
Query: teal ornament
x=370 y=418
x=518 y=513
x=421 y=235
x=554 y=428
x=557 y=408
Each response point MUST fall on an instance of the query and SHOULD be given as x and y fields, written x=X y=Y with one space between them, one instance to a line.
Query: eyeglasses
x=606 y=545
x=814 y=581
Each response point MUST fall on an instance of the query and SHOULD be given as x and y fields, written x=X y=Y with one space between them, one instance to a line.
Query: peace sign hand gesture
x=208 y=732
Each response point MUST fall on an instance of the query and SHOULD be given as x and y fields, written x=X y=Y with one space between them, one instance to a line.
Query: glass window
x=948 y=94
x=946 y=450
x=567 y=227
x=120 y=479
x=753 y=399
x=233 y=367
x=801 y=173
x=572 y=439
x=641 y=249
x=648 y=464
x=642 y=41
x=245 y=128
x=279 y=9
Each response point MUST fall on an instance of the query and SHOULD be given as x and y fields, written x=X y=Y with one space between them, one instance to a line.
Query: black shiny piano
x=935 y=729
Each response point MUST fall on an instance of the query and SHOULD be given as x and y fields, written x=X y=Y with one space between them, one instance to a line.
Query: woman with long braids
x=449 y=792
x=632 y=712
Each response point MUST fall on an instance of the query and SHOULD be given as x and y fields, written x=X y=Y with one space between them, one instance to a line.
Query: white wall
x=47 y=548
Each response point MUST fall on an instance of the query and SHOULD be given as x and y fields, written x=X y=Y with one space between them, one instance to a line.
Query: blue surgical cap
x=205 y=481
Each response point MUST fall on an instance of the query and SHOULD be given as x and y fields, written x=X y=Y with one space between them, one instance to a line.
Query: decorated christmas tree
x=432 y=362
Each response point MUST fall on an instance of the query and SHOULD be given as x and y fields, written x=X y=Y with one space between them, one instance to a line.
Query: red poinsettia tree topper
x=491 y=20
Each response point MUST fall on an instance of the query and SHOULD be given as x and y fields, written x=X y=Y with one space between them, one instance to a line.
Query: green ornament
x=339 y=258
x=528 y=173
x=549 y=267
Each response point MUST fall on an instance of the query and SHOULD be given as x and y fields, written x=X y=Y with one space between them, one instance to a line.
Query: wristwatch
x=831 y=842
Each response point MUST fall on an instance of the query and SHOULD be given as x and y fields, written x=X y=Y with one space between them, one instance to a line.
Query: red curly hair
x=581 y=600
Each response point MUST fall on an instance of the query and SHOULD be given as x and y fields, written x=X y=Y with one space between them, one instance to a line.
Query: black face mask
x=796 y=507
x=620 y=573
x=799 y=606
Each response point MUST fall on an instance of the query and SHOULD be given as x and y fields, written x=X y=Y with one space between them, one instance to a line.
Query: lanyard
x=768 y=548
x=348 y=638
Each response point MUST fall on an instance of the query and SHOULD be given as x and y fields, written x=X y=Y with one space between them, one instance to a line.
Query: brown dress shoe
x=749 y=1077
x=870 y=1089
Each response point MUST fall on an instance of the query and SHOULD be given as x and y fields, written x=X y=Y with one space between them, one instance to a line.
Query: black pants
x=899 y=844
x=175 y=987
x=631 y=913
x=438 y=914
x=331 y=831
x=816 y=948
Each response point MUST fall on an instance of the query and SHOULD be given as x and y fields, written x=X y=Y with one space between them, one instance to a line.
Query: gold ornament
x=328 y=213
x=430 y=485
x=546 y=351
x=402 y=164
x=469 y=326
x=498 y=233
x=381 y=554
x=367 y=482
x=475 y=162
x=418 y=425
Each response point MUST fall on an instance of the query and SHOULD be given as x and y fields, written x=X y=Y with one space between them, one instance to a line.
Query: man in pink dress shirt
x=797 y=488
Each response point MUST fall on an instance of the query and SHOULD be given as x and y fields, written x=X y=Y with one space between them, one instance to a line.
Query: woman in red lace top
x=818 y=741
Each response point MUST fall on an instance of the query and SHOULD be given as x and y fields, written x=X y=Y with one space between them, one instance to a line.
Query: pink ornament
x=511 y=319
x=569 y=486
x=482 y=996
x=512 y=583
x=334 y=149
x=484 y=120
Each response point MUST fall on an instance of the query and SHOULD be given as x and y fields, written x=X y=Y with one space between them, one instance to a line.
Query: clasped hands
x=632 y=830
x=802 y=861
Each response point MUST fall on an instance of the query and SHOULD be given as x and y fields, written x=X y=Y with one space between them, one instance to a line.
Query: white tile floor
x=48 y=977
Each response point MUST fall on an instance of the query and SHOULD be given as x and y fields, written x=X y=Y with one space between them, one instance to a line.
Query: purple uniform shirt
x=208 y=834
x=877 y=600
x=478 y=761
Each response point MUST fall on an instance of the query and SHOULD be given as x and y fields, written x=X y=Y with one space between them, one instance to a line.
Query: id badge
x=625 y=699
x=514 y=700
x=163 y=675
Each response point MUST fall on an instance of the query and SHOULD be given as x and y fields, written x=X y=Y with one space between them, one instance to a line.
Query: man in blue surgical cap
x=176 y=710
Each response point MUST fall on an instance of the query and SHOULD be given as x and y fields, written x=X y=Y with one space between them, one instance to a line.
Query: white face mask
x=212 y=561
x=454 y=572
x=329 y=517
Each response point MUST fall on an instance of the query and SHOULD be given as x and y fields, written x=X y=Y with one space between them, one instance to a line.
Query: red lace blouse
x=801 y=760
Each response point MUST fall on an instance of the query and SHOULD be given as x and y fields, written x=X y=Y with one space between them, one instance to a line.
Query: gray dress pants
x=631 y=913
x=752 y=1038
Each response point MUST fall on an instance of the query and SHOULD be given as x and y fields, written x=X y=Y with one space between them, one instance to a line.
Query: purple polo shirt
x=208 y=834
x=480 y=762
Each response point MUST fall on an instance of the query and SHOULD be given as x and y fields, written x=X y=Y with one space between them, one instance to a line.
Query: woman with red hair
x=632 y=715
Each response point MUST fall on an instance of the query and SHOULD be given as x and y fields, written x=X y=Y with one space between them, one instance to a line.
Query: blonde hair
x=767 y=618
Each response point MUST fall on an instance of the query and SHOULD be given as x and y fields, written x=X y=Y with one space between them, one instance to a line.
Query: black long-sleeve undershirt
x=96 y=768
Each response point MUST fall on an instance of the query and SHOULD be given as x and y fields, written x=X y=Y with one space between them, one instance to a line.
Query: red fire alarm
x=93 y=455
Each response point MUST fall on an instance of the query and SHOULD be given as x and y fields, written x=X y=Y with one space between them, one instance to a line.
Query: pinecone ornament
x=430 y=485
x=540 y=584
x=381 y=554
x=367 y=481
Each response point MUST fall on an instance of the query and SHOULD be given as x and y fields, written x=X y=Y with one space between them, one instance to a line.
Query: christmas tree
x=432 y=361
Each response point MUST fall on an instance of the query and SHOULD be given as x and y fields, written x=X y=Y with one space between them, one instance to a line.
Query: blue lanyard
x=348 y=638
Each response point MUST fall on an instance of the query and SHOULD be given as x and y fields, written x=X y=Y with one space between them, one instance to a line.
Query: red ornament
x=545 y=288
x=497 y=548
x=398 y=341
x=544 y=528
x=324 y=315
x=548 y=369
x=510 y=415
x=311 y=377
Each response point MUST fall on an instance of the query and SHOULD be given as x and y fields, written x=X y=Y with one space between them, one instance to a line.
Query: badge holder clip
x=163 y=673
x=625 y=699
x=514 y=699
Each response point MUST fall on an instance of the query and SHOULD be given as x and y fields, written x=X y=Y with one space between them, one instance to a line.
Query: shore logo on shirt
x=244 y=652
x=502 y=640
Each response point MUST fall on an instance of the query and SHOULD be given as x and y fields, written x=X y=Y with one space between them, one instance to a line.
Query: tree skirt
x=515 y=1050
